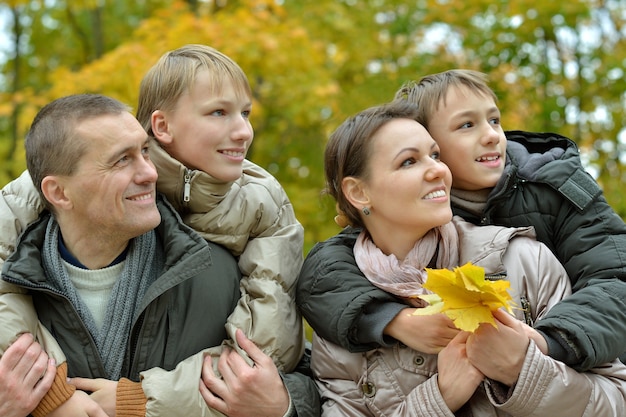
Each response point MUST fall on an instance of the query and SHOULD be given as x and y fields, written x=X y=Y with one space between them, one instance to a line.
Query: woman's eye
x=408 y=162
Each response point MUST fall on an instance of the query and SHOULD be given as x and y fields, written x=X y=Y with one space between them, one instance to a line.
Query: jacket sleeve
x=544 y=382
x=548 y=387
x=20 y=204
x=269 y=265
x=591 y=244
x=169 y=392
x=339 y=303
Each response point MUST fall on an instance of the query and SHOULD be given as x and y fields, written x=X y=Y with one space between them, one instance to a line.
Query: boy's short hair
x=430 y=91
x=52 y=145
x=175 y=72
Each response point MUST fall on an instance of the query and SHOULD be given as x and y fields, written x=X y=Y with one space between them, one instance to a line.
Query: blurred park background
x=555 y=66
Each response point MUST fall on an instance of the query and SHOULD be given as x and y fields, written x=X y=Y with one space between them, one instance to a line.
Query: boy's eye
x=466 y=125
x=218 y=112
x=245 y=114
x=495 y=121
x=436 y=155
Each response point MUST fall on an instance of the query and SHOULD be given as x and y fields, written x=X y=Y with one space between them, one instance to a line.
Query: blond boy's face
x=211 y=132
x=468 y=131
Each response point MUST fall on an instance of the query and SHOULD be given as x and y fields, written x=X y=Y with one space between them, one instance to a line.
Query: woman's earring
x=366 y=211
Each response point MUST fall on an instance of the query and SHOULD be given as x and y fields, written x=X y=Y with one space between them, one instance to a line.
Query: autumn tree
x=554 y=66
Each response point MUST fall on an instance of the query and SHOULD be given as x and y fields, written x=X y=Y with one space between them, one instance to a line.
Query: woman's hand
x=499 y=352
x=457 y=378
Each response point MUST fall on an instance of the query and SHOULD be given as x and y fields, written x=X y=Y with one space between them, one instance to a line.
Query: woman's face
x=407 y=185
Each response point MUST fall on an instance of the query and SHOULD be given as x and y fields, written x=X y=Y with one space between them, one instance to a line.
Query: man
x=115 y=276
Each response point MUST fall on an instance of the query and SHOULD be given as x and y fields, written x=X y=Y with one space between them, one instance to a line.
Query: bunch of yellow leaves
x=465 y=296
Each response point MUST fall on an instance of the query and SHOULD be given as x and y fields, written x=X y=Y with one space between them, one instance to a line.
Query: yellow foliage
x=465 y=296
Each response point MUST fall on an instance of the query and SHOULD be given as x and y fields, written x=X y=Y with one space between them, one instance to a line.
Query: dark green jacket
x=544 y=185
x=182 y=312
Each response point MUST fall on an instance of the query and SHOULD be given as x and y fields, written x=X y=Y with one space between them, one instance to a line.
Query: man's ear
x=54 y=191
x=356 y=192
x=161 y=128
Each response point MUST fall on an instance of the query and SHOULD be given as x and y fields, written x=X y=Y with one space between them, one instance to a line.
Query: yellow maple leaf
x=465 y=296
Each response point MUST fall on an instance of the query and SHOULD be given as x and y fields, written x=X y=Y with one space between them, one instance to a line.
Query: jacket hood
x=532 y=152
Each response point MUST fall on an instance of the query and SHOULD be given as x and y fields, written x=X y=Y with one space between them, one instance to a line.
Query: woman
x=383 y=169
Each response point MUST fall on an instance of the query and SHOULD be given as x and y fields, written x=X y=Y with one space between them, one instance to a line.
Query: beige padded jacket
x=399 y=381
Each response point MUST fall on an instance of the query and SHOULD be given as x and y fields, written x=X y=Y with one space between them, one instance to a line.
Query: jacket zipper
x=187 y=186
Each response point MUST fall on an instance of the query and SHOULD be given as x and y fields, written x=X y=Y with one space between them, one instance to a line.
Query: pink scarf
x=405 y=278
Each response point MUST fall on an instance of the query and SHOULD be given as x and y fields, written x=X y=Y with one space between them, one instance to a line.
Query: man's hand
x=245 y=390
x=103 y=392
x=26 y=375
x=427 y=334
x=79 y=405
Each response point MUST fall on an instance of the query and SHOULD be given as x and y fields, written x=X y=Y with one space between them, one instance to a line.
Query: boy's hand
x=427 y=334
x=245 y=390
x=26 y=375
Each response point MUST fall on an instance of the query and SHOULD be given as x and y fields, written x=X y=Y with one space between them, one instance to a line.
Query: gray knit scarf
x=138 y=273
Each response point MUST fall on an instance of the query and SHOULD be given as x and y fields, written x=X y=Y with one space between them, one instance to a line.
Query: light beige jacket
x=252 y=217
x=399 y=381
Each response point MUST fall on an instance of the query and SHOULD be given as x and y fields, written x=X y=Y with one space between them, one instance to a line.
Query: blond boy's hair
x=174 y=74
x=430 y=91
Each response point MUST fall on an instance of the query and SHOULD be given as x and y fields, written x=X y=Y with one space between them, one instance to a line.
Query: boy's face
x=468 y=131
x=210 y=132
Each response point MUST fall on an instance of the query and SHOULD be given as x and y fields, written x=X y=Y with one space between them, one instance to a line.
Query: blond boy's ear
x=160 y=127
x=356 y=192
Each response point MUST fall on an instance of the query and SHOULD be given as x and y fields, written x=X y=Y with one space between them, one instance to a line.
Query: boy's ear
x=161 y=128
x=55 y=192
x=356 y=192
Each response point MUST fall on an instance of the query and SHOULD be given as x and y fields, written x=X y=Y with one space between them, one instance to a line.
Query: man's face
x=473 y=145
x=112 y=192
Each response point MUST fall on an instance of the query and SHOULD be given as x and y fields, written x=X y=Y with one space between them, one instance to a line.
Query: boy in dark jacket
x=536 y=180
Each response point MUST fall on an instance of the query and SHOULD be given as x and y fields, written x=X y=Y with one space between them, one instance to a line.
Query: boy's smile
x=466 y=125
